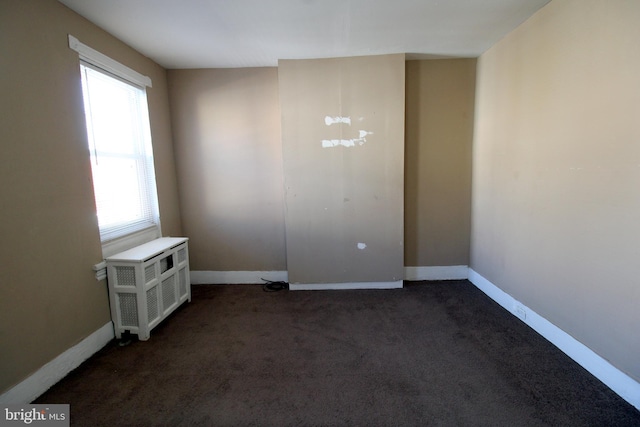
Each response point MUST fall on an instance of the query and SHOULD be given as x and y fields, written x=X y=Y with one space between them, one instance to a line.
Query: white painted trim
x=625 y=386
x=341 y=286
x=131 y=240
x=450 y=272
x=236 y=277
x=49 y=374
x=102 y=61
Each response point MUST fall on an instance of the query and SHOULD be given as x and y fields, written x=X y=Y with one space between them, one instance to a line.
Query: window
x=117 y=119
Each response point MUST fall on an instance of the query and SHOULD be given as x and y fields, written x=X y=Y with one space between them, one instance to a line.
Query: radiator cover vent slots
x=182 y=278
x=128 y=309
x=168 y=292
x=152 y=304
x=147 y=283
x=149 y=273
x=182 y=255
x=126 y=276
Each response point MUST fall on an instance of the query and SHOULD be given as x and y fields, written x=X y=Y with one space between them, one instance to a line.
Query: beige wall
x=49 y=297
x=226 y=126
x=556 y=172
x=438 y=135
x=227 y=132
x=344 y=204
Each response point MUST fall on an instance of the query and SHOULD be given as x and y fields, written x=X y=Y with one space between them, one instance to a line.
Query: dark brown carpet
x=433 y=353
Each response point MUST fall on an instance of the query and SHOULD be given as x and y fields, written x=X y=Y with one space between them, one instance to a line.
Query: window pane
x=117 y=200
x=121 y=158
x=114 y=114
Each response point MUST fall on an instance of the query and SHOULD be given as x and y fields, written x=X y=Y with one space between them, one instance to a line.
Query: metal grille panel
x=168 y=292
x=126 y=276
x=152 y=304
x=182 y=255
x=128 y=309
x=149 y=273
x=182 y=280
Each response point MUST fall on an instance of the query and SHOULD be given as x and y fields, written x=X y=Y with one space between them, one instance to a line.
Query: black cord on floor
x=274 y=286
x=125 y=339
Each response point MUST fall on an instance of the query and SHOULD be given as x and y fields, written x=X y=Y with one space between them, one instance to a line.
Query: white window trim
x=136 y=238
x=102 y=61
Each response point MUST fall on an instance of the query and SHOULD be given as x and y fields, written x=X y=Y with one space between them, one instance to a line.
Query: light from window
x=121 y=154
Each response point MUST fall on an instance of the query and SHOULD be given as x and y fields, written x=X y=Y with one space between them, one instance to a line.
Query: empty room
x=310 y=212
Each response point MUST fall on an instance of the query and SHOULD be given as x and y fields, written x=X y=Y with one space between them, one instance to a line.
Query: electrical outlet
x=520 y=311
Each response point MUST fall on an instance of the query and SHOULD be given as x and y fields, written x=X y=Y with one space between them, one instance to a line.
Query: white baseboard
x=236 y=277
x=450 y=272
x=48 y=375
x=623 y=385
x=350 y=285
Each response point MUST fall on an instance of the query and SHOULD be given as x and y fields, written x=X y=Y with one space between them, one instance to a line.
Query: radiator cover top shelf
x=147 y=283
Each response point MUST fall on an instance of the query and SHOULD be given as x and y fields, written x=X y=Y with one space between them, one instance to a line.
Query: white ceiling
x=255 y=33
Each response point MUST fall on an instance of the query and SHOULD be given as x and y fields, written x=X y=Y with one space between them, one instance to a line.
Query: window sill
x=122 y=244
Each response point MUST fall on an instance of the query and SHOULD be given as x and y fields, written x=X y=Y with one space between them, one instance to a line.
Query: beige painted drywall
x=438 y=135
x=226 y=126
x=556 y=172
x=212 y=110
x=49 y=297
x=343 y=204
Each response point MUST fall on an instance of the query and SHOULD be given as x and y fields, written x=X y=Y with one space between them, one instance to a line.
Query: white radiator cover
x=147 y=283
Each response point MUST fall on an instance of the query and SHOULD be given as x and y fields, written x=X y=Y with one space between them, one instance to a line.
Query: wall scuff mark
x=329 y=143
x=334 y=120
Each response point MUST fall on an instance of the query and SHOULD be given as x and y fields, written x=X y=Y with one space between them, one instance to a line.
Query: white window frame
x=103 y=62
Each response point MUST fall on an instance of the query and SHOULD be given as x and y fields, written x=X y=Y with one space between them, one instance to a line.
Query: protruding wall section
x=343 y=152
